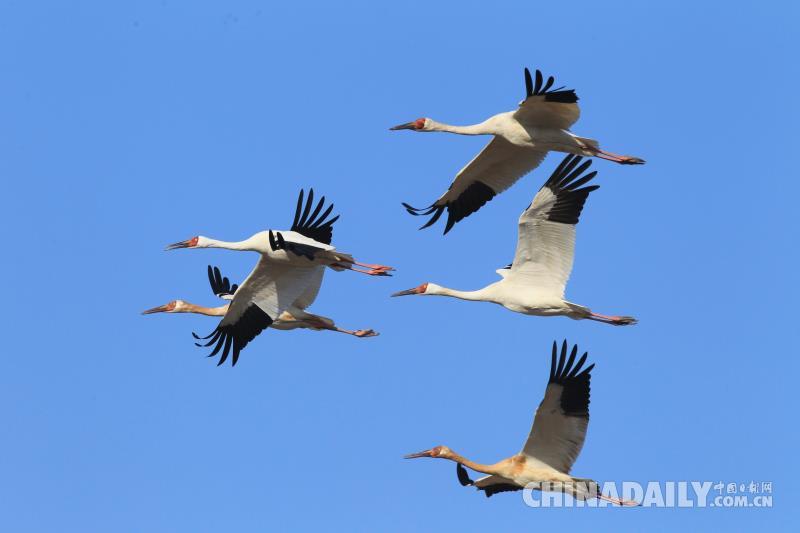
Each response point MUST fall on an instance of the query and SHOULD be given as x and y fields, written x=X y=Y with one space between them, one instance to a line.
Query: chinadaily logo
x=668 y=494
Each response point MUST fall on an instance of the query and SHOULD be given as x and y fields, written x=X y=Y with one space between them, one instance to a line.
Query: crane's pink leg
x=358 y=333
x=617 y=158
x=374 y=267
x=614 y=320
x=319 y=324
x=618 y=501
x=371 y=272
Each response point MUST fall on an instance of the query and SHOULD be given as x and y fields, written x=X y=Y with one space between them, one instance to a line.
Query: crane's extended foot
x=365 y=333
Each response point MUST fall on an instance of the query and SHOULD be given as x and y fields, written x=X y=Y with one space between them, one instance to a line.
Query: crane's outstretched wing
x=498 y=166
x=488 y=484
x=310 y=294
x=547 y=108
x=546 y=233
x=220 y=286
x=559 y=427
x=313 y=225
x=269 y=290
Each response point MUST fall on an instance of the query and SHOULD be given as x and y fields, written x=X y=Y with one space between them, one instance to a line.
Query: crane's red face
x=416 y=290
x=188 y=243
x=417 y=125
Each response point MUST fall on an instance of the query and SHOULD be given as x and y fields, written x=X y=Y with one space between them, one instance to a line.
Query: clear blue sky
x=124 y=128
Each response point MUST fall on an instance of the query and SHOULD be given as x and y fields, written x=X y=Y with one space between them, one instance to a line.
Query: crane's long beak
x=426 y=453
x=406 y=292
x=406 y=126
x=188 y=243
x=160 y=309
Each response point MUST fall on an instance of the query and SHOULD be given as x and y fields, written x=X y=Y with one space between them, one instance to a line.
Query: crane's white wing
x=498 y=166
x=312 y=290
x=220 y=285
x=547 y=108
x=546 y=235
x=269 y=290
x=559 y=427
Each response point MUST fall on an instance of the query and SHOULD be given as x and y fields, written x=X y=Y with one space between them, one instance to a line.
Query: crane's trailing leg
x=617 y=501
x=380 y=271
x=359 y=332
x=613 y=320
x=621 y=159
x=321 y=324
x=374 y=267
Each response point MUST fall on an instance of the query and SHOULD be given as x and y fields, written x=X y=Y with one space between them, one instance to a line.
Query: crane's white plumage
x=546 y=231
x=522 y=139
x=268 y=291
x=534 y=283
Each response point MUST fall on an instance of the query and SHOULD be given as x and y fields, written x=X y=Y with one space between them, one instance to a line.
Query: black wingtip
x=463 y=476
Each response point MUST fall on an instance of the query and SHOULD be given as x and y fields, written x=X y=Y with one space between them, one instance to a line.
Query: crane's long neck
x=247 y=245
x=481 y=295
x=496 y=469
x=208 y=311
x=483 y=128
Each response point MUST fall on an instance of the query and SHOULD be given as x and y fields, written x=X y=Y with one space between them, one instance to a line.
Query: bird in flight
x=534 y=283
x=286 y=278
x=222 y=288
x=553 y=445
x=521 y=140
x=307 y=243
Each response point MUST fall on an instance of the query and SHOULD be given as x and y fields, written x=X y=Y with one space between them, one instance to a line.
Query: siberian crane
x=554 y=443
x=534 y=283
x=521 y=140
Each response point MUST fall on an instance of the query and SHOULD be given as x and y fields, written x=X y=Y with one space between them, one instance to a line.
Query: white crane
x=554 y=443
x=534 y=283
x=286 y=278
x=307 y=243
x=222 y=288
x=521 y=141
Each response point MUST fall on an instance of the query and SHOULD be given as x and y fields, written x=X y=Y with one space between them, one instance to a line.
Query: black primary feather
x=312 y=224
x=500 y=487
x=463 y=476
x=220 y=285
x=542 y=88
x=566 y=372
x=469 y=201
x=277 y=242
x=564 y=184
x=232 y=338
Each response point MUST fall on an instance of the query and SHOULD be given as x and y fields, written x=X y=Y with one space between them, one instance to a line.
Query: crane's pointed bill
x=426 y=453
x=406 y=126
x=188 y=243
x=160 y=309
x=406 y=292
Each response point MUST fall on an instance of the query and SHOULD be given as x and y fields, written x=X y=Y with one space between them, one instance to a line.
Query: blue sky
x=124 y=128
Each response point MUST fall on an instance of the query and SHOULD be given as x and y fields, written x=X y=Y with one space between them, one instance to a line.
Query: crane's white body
x=534 y=284
x=326 y=254
x=521 y=140
x=286 y=278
